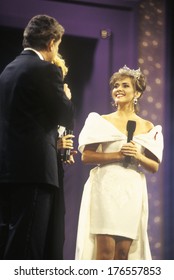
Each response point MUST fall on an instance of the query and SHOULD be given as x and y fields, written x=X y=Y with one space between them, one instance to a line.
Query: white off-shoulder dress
x=114 y=199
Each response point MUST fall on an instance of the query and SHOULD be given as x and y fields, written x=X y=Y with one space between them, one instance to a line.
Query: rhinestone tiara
x=134 y=73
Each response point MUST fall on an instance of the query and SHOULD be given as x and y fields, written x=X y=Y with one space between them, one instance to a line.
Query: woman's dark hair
x=40 y=30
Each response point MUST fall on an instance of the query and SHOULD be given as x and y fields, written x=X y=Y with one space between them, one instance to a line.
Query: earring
x=135 y=101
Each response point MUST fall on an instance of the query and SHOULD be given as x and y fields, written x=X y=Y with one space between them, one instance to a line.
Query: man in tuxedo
x=33 y=102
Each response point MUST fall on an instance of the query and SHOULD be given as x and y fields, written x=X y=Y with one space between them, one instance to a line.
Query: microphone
x=67 y=152
x=131 y=125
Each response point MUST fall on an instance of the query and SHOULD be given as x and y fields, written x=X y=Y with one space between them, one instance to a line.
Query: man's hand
x=67 y=91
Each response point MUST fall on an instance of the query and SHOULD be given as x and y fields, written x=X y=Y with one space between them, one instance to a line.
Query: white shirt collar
x=38 y=53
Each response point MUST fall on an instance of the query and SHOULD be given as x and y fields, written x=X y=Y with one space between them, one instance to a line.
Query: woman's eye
x=116 y=86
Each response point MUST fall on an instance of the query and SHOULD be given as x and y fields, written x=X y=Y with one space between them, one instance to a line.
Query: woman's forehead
x=123 y=80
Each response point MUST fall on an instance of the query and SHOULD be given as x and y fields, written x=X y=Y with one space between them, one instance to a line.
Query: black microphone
x=67 y=152
x=131 y=125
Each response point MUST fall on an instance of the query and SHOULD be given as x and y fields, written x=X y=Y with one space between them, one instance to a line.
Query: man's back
x=31 y=99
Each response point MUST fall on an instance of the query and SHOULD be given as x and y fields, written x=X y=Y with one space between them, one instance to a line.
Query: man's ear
x=50 y=45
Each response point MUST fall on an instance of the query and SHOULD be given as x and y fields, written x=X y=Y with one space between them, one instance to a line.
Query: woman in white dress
x=114 y=208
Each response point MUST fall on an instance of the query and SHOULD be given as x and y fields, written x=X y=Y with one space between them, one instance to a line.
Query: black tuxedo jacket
x=32 y=104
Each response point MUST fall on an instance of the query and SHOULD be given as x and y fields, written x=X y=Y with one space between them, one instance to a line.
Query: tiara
x=134 y=73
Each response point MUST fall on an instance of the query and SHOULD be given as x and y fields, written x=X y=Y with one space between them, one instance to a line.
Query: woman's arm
x=90 y=155
x=147 y=160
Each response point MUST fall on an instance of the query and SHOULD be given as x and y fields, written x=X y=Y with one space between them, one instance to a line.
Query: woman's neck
x=125 y=113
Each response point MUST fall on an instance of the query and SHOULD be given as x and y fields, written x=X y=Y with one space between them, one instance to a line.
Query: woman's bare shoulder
x=148 y=125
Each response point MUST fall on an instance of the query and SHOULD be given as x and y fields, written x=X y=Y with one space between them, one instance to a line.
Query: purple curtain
x=169 y=137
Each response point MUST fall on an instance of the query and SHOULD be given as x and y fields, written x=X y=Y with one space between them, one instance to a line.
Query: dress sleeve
x=97 y=130
x=153 y=141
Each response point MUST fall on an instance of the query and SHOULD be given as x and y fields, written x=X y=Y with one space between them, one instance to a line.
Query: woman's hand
x=130 y=149
x=147 y=160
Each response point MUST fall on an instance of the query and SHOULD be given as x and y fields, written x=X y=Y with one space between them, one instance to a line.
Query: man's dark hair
x=40 y=30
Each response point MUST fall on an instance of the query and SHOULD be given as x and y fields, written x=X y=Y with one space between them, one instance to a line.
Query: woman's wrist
x=140 y=157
